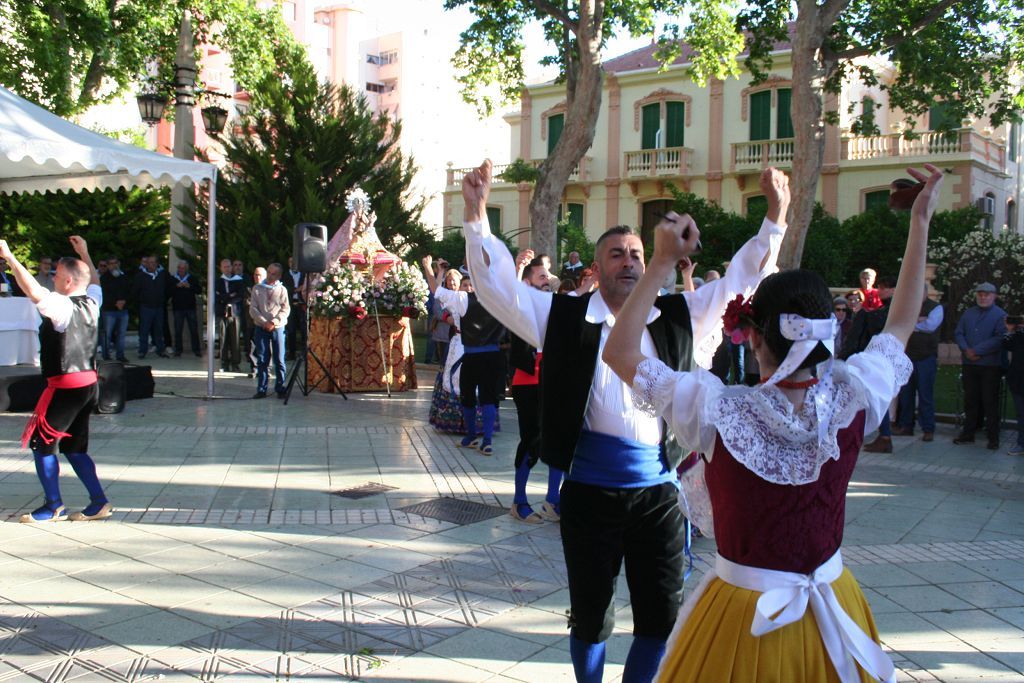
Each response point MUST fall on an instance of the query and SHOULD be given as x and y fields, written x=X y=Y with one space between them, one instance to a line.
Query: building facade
x=658 y=127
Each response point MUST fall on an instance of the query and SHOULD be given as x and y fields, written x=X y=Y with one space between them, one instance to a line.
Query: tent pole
x=211 y=287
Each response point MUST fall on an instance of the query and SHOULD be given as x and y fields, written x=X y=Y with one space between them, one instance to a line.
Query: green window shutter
x=761 y=116
x=867 y=115
x=878 y=199
x=651 y=120
x=576 y=215
x=494 y=218
x=939 y=116
x=675 y=121
x=1014 y=133
x=783 y=122
x=757 y=206
x=555 y=125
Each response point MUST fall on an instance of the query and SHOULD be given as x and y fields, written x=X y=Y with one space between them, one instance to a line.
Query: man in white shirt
x=619 y=501
x=67 y=359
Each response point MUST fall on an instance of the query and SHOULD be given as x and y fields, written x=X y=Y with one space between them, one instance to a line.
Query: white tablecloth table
x=19 y=331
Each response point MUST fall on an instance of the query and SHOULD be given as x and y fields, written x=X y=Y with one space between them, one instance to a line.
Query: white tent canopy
x=41 y=152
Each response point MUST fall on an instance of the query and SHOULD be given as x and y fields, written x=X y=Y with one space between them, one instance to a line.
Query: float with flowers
x=360 y=308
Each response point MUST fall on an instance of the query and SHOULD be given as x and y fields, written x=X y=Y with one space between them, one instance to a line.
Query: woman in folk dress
x=777 y=462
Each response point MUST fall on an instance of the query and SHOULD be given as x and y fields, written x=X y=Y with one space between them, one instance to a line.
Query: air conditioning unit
x=987 y=205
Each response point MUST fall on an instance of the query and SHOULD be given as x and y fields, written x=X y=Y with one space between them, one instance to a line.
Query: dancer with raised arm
x=777 y=461
x=619 y=501
x=67 y=359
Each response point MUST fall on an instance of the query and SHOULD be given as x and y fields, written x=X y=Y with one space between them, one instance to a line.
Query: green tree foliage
x=962 y=53
x=305 y=145
x=127 y=223
x=836 y=251
x=68 y=55
x=519 y=171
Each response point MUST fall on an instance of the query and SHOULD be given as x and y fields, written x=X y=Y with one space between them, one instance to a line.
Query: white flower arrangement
x=346 y=291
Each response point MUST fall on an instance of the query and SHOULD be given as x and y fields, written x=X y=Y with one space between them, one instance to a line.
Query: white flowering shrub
x=980 y=257
x=346 y=291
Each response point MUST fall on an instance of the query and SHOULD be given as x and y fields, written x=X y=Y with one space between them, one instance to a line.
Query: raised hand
x=5 y=251
x=928 y=198
x=79 y=245
x=427 y=261
x=669 y=240
x=686 y=266
x=775 y=187
x=524 y=258
x=476 y=186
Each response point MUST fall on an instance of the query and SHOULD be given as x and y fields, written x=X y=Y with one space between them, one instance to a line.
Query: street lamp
x=151 y=107
x=214 y=118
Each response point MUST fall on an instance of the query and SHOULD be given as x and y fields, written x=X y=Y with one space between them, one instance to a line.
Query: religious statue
x=356 y=242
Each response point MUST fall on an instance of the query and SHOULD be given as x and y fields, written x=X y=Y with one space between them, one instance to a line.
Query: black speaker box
x=309 y=248
x=113 y=388
x=139 y=381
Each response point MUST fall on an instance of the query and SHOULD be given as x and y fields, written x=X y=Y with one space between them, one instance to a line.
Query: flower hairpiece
x=738 y=319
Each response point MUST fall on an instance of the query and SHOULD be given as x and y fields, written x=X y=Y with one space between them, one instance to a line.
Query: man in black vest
x=619 y=501
x=67 y=358
x=149 y=290
x=923 y=351
x=294 y=282
x=482 y=376
x=183 y=290
x=228 y=299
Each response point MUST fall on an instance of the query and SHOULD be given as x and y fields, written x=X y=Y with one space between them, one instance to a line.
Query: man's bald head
x=72 y=276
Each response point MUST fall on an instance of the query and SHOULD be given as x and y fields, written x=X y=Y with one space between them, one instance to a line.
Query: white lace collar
x=766 y=435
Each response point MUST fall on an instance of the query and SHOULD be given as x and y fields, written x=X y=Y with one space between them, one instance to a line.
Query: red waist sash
x=72 y=380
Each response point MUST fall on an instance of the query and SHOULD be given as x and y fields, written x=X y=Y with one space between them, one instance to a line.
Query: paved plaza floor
x=231 y=556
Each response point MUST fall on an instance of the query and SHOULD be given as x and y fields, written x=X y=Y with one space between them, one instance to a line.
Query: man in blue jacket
x=979 y=334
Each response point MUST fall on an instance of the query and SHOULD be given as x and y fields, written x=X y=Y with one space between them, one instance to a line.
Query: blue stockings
x=587 y=660
x=48 y=471
x=642 y=661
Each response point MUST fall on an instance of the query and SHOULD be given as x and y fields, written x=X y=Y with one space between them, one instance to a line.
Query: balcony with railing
x=962 y=144
x=666 y=161
x=580 y=173
x=760 y=154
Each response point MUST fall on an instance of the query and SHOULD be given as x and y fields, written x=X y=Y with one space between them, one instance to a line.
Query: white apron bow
x=784 y=600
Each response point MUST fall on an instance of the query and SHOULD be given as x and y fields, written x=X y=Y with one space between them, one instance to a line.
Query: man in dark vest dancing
x=67 y=358
x=619 y=500
x=482 y=376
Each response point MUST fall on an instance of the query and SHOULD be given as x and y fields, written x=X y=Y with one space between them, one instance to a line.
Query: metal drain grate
x=454 y=510
x=364 y=491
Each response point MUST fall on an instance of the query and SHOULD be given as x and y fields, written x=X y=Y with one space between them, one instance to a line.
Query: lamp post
x=182 y=199
x=151 y=109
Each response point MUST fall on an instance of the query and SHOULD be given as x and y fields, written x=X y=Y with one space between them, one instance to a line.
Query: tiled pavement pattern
x=229 y=557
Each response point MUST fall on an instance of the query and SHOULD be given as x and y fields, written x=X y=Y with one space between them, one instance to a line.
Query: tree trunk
x=583 y=104
x=809 y=127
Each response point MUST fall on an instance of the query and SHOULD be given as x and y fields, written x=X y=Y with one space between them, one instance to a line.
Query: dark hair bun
x=791 y=291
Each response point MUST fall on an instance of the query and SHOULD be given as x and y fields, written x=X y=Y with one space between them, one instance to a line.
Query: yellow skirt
x=715 y=643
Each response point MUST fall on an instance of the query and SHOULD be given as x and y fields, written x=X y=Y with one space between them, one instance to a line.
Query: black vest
x=522 y=356
x=567 y=370
x=923 y=345
x=478 y=327
x=74 y=349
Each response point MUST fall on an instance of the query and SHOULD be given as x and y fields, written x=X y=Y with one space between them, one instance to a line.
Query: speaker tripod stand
x=300 y=370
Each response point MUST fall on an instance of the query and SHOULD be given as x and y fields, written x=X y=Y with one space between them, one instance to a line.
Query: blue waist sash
x=614 y=462
x=481 y=349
